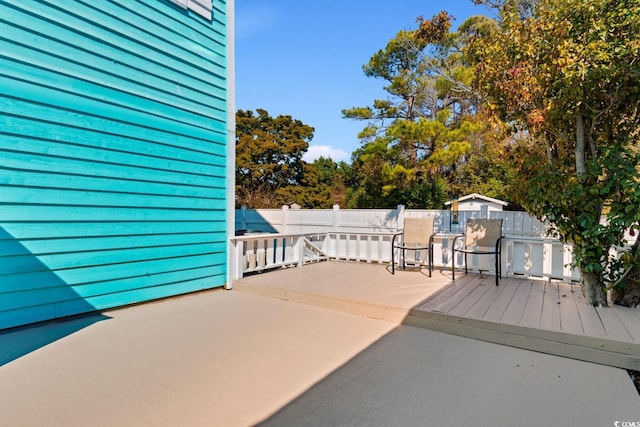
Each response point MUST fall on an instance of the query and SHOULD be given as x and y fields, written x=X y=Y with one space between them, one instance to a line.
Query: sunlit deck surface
x=539 y=315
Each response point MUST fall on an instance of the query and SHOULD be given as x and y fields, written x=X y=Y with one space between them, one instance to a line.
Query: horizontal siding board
x=48 y=86
x=215 y=30
x=112 y=35
x=60 y=196
x=23 y=316
x=58 y=294
x=91 y=138
x=36 y=247
x=148 y=140
x=136 y=271
x=25 y=231
x=87 y=213
x=77 y=166
x=113 y=145
x=167 y=87
x=36 y=145
x=39 y=313
x=110 y=83
x=181 y=34
x=21 y=177
x=104 y=288
x=60 y=261
x=118 y=299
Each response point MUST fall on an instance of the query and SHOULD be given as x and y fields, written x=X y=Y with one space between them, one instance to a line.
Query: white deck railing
x=522 y=256
x=297 y=236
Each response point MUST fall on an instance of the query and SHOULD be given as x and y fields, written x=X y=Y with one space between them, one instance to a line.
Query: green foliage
x=268 y=157
x=427 y=128
x=379 y=181
x=565 y=73
x=486 y=171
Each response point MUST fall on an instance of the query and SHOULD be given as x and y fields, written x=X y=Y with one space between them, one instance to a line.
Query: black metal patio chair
x=416 y=237
x=481 y=237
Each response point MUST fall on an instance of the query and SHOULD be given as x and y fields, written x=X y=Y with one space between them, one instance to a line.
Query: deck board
x=630 y=319
x=515 y=310
x=452 y=296
x=570 y=318
x=444 y=294
x=613 y=325
x=549 y=317
x=500 y=305
x=533 y=309
x=469 y=301
x=486 y=301
x=591 y=322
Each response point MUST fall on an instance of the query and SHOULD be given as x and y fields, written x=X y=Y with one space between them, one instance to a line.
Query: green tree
x=428 y=126
x=336 y=176
x=566 y=75
x=269 y=158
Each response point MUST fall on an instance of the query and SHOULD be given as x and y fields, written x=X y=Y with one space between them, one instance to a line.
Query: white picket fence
x=274 y=238
x=310 y=221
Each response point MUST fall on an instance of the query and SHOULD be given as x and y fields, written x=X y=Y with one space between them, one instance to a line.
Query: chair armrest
x=453 y=245
x=393 y=240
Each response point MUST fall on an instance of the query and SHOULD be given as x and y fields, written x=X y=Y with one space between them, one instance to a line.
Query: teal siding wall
x=113 y=142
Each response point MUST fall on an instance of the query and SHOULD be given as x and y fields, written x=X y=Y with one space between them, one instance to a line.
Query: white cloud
x=317 y=151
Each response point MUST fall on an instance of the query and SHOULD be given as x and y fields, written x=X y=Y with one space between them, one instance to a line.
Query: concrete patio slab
x=233 y=359
x=218 y=358
x=417 y=377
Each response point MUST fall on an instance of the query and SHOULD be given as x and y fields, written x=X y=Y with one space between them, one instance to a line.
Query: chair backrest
x=483 y=232
x=417 y=230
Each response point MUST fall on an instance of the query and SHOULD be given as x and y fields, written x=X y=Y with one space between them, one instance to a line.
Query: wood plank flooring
x=550 y=317
x=534 y=314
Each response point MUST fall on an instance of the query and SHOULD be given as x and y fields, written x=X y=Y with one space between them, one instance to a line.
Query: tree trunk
x=593 y=289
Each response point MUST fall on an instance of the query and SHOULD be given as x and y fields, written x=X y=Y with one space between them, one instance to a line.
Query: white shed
x=476 y=202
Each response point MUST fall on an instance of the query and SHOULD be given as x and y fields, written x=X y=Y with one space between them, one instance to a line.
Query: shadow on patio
x=237 y=359
x=548 y=317
x=31 y=292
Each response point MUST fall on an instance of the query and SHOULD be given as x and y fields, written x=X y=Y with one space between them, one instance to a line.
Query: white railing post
x=285 y=219
x=335 y=218
x=547 y=259
x=299 y=250
x=236 y=261
x=400 y=217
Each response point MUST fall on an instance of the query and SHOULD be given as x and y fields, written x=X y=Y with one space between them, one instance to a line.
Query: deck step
x=580 y=347
x=599 y=350
x=388 y=313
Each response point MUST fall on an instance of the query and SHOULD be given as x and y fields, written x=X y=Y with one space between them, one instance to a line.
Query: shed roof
x=474 y=196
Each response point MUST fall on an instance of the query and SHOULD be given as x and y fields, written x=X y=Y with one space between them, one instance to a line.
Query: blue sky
x=304 y=59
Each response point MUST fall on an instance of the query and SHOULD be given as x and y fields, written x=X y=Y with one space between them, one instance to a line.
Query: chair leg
x=393 y=261
x=453 y=265
x=465 y=263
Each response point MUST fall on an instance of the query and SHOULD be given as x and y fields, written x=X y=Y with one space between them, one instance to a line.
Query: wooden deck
x=549 y=317
x=544 y=316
